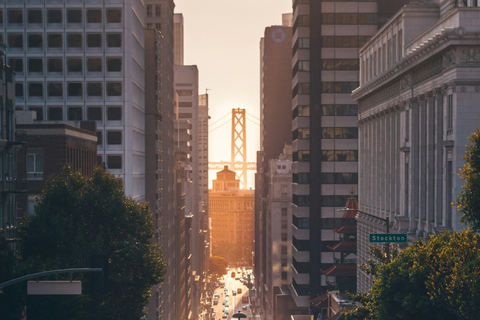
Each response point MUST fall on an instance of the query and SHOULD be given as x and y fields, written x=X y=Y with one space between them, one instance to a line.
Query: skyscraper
x=160 y=125
x=83 y=60
x=326 y=39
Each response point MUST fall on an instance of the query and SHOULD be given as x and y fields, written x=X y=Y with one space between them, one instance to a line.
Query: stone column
x=430 y=162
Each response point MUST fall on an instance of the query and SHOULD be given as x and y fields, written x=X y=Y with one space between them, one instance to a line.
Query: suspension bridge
x=238 y=161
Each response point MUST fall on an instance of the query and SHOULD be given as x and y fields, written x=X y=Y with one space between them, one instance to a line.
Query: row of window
x=327 y=155
x=56 y=41
x=339 y=178
x=340 y=64
x=327 y=110
x=340 y=133
x=113 y=161
x=73 y=64
x=74 y=89
x=301 y=133
x=54 y=113
x=34 y=16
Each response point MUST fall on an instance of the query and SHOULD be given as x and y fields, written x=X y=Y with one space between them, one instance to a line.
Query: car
x=244 y=307
x=234 y=293
x=213 y=315
x=225 y=310
x=215 y=302
x=239 y=290
x=225 y=316
x=227 y=305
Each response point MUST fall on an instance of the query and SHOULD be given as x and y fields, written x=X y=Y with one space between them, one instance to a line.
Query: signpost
x=390 y=237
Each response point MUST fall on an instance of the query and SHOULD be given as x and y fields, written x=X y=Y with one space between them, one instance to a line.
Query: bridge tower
x=239 y=145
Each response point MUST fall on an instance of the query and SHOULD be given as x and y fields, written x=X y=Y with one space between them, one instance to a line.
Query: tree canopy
x=217 y=266
x=468 y=201
x=439 y=279
x=77 y=218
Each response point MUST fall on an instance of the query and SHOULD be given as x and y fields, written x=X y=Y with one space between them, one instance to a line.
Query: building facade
x=418 y=104
x=84 y=60
x=275 y=124
x=326 y=39
x=231 y=215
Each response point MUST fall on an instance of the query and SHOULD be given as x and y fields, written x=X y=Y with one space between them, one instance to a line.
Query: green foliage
x=12 y=297
x=76 y=218
x=436 y=280
x=468 y=201
x=379 y=257
x=217 y=266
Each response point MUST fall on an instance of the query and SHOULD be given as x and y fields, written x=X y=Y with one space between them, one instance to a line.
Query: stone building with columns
x=418 y=102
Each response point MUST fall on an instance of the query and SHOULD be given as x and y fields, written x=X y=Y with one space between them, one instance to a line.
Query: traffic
x=232 y=295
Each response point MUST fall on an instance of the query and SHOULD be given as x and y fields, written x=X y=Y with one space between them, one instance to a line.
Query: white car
x=244 y=307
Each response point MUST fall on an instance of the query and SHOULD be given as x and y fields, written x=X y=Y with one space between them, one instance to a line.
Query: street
x=229 y=301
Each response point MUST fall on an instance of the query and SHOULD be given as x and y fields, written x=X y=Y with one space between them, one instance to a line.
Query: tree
x=468 y=201
x=77 y=218
x=217 y=266
x=439 y=279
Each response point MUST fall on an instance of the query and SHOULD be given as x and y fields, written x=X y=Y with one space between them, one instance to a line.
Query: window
x=94 y=64
x=149 y=10
x=55 y=89
x=94 y=40
x=114 y=64
x=158 y=26
x=54 y=16
x=449 y=113
x=94 y=16
x=99 y=138
x=55 y=113
x=55 y=65
x=15 y=40
x=114 y=162
x=75 y=89
x=158 y=10
x=303 y=155
x=114 y=15
x=38 y=112
x=339 y=86
x=301 y=111
x=94 y=113
x=35 y=89
x=301 y=223
x=34 y=164
x=340 y=133
x=31 y=202
x=114 y=40
x=114 y=113
x=114 y=137
x=35 y=41
x=16 y=64
x=74 y=16
x=339 y=178
x=74 y=114
x=74 y=64
x=185 y=93
x=15 y=16
x=1 y=16
x=55 y=40
x=340 y=64
x=74 y=40
x=35 y=16
x=114 y=89
x=35 y=65
x=303 y=21
x=339 y=155
x=19 y=90
x=94 y=89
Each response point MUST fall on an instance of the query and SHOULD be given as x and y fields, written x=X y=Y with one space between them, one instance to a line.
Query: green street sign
x=388 y=237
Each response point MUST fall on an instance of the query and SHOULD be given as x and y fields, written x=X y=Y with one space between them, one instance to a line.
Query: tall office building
x=188 y=111
x=418 y=104
x=178 y=39
x=159 y=122
x=275 y=132
x=326 y=39
x=84 y=60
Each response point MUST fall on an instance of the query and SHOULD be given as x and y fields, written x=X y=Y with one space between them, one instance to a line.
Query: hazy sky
x=222 y=38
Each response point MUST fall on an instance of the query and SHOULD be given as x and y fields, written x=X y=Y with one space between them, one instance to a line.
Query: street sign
x=388 y=237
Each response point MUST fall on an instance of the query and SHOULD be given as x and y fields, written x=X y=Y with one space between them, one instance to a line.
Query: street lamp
x=387 y=222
